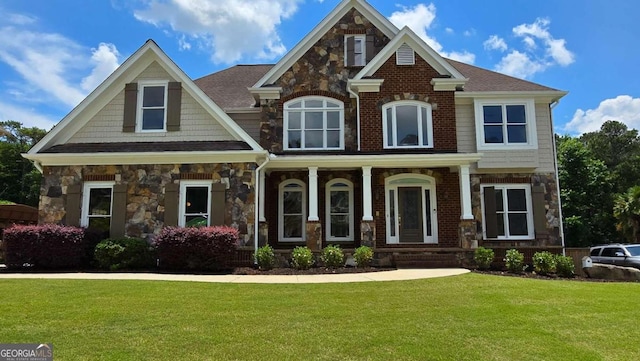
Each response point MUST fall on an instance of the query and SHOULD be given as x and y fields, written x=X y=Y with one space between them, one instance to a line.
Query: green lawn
x=469 y=317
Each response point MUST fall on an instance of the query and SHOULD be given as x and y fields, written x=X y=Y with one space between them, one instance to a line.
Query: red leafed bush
x=205 y=248
x=44 y=246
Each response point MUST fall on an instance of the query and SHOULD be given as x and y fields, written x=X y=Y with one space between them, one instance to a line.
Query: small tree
x=627 y=213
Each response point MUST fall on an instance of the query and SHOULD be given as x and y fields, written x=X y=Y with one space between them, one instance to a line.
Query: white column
x=313 y=194
x=465 y=192
x=367 y=206
x=261 y=197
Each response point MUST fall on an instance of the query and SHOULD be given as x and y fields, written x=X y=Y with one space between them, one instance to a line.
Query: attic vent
x=405 y=55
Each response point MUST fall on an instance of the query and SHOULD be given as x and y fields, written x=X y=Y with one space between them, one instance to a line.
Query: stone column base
x=314 y=235
x=263 y=234
x=368 y=233
x=467 y=233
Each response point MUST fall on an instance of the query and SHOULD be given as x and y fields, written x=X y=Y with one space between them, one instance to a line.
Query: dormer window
x=313 y=123
x=152 y=106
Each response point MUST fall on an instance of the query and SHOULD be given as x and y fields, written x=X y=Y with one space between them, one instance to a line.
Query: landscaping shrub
x=332 y=256
x=265 y=258
x=514 y=261
x=363 y=256
x=124 y=253
x=205 y=248
x=44 y=246
x=301 y=258
x=544 y=263
x=565 y=266
x=483 y=257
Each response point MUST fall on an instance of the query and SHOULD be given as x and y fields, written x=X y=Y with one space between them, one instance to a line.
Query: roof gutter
x=555 y=164
x=256 y=207
x=357 y=96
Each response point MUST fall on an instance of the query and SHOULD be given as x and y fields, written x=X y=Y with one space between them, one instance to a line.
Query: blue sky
x=54 y=52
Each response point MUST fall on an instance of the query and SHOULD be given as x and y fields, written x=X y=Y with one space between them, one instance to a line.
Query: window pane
x=295 y=105
x=333 y=120
x=295 y=140
x=313 y=104
x=516 y=114
x=357 y=46
x=407 y=125
x=333 y=138
x=518 y=224
x=195 y=221
x=339 y=202
x=152 y=119
x=517 y=133
x=313 y=139
x=196 y=200
x=100 y=201
x=313 y=120
x=332 y=105
x=357 y=59
x=153 y=96
x=425 y=127
x=294 y=120
x=493 y=134
x=499 y=200
x=389 y=127
x=516 y=199
x=340 y=226
x=500 y=222
x=392 y=212
x=427 y=200
x=292 y=202
x=492 y=114
x=292 y=226
x=100 y=224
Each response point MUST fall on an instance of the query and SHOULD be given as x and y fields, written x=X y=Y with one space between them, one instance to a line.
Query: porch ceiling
x=378 y=161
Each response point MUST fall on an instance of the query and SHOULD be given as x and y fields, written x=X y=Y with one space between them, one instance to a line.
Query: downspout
x=357 y=112
x=555 y=164
x=256 y=222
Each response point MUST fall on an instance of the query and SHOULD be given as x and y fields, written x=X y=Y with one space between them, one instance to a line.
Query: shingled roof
x=153 y=147
x=228 y=88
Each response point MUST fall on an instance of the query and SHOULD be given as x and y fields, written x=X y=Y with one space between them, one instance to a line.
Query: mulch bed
x=533 y=275
x=310 y=271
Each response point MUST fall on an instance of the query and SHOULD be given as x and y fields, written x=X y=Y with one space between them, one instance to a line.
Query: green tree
x=627 y=212
x=19 y=180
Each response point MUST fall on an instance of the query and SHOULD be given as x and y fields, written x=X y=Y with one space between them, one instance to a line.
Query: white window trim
x=530 y=224
x=303 y=190
x=363 y=39
x=139 y=110
x=530 y=114
x=324 y=110
x=86 y=189
x=331 y=185
x=426 y=183
x=184 y=184
x=385 y=131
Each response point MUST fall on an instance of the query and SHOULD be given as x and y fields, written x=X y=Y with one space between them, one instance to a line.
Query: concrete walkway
x=397 y=275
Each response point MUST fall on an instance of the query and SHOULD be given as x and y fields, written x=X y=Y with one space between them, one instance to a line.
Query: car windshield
x=634 y=250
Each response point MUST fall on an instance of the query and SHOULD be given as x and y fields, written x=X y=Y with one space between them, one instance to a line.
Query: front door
x=410 y=214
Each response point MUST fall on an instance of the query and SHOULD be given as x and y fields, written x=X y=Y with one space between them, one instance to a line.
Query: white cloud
x=449 y=30
x=519 y=65
x=105 y=61
x=622 y=108
x=470 y=32
x=231 y=29
x=529 y=42
x=420 y=19
x=21 y=19
x=27 y=116
x=495 y=43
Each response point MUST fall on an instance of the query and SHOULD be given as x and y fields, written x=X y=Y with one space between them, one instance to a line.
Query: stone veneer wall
x=547 y=180
x=146 y=195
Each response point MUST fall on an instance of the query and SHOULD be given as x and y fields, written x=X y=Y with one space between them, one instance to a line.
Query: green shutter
x=351 y=45
x=72 y=208
x=218 y=204
x=130 y=107
x=171 y=205
x=490 y=215
x=174 y=104
x=539 y=211
x=118 y=210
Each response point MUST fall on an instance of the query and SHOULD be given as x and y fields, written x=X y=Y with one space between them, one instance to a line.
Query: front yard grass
x=469 y=317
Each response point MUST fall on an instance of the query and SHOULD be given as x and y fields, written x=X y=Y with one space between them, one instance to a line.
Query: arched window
x=339 y=205
x=407 y=124
x=313 y=123
x=292 y=211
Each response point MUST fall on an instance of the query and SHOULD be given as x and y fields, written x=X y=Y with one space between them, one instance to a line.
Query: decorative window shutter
x=490 y=215
x=351 y=45
x=74 y=201
x=539 y=211
x=130 y=107
x=118 y=210
x=174 y=104
x=370 y=48
x=405 y=55
x=171 y=204
x=218 y=204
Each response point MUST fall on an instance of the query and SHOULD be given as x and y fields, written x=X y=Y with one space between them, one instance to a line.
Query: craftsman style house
x=361 y=134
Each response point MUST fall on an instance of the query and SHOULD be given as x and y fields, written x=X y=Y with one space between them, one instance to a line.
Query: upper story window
x=407 y=124
x=501 y=124
x=312 y=123
x=355 y=48
x=152 y=106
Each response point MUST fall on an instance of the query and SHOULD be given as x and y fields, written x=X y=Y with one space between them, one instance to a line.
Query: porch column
x=261 y=198
x=367 y=207
x=313 y=194
x=465 y=192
